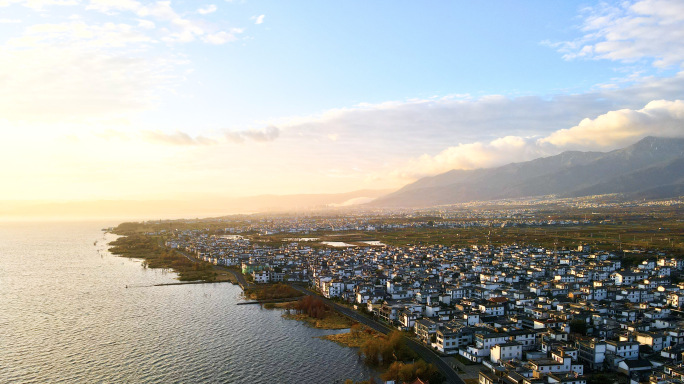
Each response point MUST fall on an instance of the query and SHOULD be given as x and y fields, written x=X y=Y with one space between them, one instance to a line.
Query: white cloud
x=269 y=133
x=78 y=34
x=60 y=84
x=110 y=6
x=146 y=24
x=471 y=156
x=79 y=70
x=180 y=138
x=622 y=127
x=395 y=142
x=211 y=8
x=10 y=21
x=177 y=29
x=110 y=134
x=222 y=37
x=632 y=31
x=176 y=138
x=73 y=71
x=611 y=130
x=38 y=4
x=258 y=19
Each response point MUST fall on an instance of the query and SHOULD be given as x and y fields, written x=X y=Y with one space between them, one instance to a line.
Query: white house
x=506 y=351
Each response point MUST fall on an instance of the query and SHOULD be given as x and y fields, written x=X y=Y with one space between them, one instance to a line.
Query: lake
x=67 y=316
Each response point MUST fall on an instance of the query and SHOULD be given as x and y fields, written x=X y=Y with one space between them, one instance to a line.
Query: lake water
x=67 y=316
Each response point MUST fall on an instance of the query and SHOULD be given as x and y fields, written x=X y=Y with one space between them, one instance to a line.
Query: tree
x=399 y=371
x=355 y=330
x=370 y=351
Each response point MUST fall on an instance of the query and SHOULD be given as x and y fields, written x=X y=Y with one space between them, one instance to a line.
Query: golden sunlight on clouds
x=623 y=127
x=127 y=99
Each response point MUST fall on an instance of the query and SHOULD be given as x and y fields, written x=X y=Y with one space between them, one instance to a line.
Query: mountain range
x=653 y=168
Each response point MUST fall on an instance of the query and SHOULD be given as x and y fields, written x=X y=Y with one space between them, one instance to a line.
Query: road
x=424 y=352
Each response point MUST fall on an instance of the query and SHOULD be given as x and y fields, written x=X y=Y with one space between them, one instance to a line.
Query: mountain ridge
x=568 y=174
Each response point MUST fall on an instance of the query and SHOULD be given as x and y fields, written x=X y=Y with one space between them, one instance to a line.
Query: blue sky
x=120 y=99
x=309 y=57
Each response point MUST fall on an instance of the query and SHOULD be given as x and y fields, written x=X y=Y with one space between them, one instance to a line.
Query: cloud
x=211 y=8
x=176 y=138
x=258 y=19
x=70 y=84
x=10 y=21
x=222 y=37
x=473 y=155
x=146 y=24
x=75 y=71
x=37 y=4
x=426 y=126
x=111 y=134
x=269 y=133
x=608 y=131
x=623 y=127
x=80 y=71
x=428 y=123
x=177 y=29
x=79 y=35
x=113 y=6
x=650 y=30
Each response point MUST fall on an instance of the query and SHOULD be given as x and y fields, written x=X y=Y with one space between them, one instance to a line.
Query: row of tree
x=401 y=372
x=312 y=306
x=271 y=291
x=383 y=350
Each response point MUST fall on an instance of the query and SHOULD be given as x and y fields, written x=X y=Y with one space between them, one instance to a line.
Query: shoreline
x=156 y=256
x=270 y=301
x=194 y=282
x=136 y=246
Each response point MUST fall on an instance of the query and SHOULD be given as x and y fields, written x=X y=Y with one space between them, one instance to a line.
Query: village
x=513 y=314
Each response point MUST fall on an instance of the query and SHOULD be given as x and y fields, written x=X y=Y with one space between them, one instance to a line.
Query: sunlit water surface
x=67 y=316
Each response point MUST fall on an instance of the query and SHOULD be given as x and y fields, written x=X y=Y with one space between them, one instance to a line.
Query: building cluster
x=528 y=315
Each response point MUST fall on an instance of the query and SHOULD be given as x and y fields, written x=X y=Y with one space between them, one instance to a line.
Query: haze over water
x=67 y=316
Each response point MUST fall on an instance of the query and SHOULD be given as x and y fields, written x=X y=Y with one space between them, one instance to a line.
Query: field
x=655 y=227
x=660 y=229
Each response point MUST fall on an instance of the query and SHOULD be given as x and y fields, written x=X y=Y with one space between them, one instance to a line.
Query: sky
x=128 y=99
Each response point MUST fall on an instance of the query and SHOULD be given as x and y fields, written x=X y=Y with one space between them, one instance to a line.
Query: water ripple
x=67 y=317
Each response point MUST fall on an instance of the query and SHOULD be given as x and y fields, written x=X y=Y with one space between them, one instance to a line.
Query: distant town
x=500 y=313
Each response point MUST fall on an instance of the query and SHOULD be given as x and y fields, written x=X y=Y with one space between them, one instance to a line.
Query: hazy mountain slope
x=645 y=178
x=569 y=174
x=660 y=192
x=481 y=184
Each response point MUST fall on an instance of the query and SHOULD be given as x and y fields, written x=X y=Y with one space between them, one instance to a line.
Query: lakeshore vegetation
x=316 y=314
x=276 y=291
x=148 y=249
x=385 y=352
x=400 y=363
x=357 y=336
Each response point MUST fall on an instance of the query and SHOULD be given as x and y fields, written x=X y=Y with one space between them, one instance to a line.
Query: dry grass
x=350 y=339
x=332 y=321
